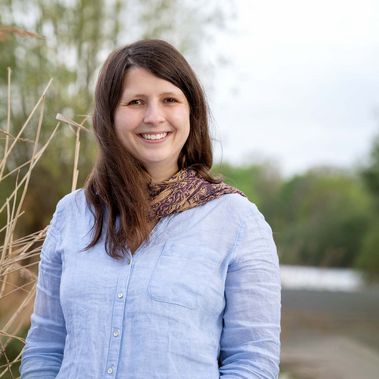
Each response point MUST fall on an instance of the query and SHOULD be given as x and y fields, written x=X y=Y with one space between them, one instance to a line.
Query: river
x=330 y=324
x=315 y=278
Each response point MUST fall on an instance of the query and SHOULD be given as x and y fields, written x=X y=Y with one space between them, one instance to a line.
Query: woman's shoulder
x=241 y=211
x=239 y=206
x=73 y=201
x=73 y=206
x=72 y=209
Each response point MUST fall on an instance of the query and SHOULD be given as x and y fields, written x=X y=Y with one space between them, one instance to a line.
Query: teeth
x=154 y=136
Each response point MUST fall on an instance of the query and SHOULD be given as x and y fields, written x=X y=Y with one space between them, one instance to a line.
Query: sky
x=301 y=86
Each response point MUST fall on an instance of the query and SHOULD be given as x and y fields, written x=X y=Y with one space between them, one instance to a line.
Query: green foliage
x=323 y=215
x=370 y=173
x=368 y=258
x=259 y=182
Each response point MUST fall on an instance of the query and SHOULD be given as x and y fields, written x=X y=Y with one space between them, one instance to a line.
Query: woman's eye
x=135 y=102
x=170 y=100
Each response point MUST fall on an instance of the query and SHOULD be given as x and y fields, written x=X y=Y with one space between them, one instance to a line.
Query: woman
x=156 y=269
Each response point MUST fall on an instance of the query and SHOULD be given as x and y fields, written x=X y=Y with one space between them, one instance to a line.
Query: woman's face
x=152 y=121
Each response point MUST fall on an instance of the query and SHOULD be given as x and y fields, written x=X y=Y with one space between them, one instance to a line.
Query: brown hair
x=117 y=189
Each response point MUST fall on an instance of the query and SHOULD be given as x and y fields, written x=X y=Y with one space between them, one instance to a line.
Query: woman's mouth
x=154 y=136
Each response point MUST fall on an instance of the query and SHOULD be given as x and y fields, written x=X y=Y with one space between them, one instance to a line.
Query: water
x=330 y=279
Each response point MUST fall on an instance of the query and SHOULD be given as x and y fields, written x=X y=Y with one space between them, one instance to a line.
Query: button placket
x=117 y=321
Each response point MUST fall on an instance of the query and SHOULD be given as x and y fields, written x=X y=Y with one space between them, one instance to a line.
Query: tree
x=260 y=182
x=370 y=173
x=323 y=215
x=368 y=257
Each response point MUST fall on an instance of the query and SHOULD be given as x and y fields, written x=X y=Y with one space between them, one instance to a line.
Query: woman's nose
x=154 y=114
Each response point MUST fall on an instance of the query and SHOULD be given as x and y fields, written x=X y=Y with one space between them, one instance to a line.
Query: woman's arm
x=250 y=341
x=43 y=351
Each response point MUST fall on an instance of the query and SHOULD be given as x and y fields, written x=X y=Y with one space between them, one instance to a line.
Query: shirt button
x=110 y=371
x=120 y=295
x=116 y=332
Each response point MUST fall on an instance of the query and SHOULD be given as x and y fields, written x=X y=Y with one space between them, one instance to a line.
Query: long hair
x=117 y=188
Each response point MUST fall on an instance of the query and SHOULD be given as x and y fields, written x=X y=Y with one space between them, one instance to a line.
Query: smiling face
x=152 y=121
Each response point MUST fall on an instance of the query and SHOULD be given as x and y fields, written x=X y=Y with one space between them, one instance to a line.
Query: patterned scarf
x=184 y=190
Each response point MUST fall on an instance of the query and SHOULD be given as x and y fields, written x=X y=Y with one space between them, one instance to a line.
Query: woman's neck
x=159 y=176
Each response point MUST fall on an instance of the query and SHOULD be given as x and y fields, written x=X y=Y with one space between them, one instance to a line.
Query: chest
x=174 y=271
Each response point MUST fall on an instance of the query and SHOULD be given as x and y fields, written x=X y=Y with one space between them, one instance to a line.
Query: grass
x=19 y=255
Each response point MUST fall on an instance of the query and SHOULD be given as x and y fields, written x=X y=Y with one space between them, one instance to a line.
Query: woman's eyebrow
x=166 y=93
x=170 y=93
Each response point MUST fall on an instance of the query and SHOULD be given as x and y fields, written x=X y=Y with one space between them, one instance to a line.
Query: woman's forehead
x=141 y=81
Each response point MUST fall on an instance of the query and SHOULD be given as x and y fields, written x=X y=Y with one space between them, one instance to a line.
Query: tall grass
x=19 y=255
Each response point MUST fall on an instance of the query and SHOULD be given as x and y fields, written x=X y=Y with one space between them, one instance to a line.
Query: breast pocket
x=183 y=275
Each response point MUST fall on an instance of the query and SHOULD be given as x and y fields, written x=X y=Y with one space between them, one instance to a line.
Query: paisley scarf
x=184 y=190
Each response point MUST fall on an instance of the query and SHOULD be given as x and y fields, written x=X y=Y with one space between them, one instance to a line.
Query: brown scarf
x=184 y=190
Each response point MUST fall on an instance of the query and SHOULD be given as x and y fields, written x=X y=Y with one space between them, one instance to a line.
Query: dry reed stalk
x=79 y=127
x=8 y=124
x=33 y=163
x=7 y=30
x=13 y=137
x=26 y=123
x=15 y=252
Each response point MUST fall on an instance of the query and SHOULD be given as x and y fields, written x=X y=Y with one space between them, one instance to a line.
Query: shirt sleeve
x=250 y=340
x=43 y=352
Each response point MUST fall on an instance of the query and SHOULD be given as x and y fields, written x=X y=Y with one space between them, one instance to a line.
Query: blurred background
x=293 y=89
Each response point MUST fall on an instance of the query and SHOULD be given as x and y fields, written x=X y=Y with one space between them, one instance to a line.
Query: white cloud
x=302 y=84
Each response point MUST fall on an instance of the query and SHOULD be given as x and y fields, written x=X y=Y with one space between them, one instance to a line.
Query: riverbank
x=330 y=334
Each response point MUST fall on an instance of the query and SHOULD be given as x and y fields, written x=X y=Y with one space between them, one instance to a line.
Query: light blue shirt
x=199 y=300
